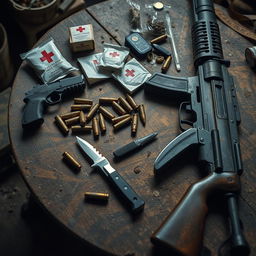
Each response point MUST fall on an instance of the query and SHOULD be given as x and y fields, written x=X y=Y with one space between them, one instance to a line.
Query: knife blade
x=134 y=201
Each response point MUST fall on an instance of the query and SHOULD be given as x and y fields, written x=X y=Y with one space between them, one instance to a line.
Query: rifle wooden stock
x=182 y=230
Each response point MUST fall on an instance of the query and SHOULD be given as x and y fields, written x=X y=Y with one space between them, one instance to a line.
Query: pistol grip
x=182 y=231
x=33 y=112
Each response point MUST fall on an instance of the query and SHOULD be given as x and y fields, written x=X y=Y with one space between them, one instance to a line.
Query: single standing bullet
x=142 y=114
x=125 y=104
x=122 y=123
x=71 y=160
x=131 y=101
x=106 y=113
x=69 y=115
x=134 y=125
x=102 y=123
x=92 y=111
x=95 y=127
x=82 y=118
x=119 y=109
x=61 y=124
x=82 y=101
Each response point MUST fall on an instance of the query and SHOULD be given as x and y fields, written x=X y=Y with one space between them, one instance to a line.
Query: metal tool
x=138 y=143
x=134 y=201
x=171 y=38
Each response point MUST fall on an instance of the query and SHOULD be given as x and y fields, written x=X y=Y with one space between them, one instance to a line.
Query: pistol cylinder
x=92 y=111
x=125 y=104
x=131 y=101
x=72 y=120
x=102 y=123
x=69 y=115
x=119 y=118
x=61 y=124
x=95 y=127
x=134 y=125
x=82 y=118
x=106 y=113
x=166 y=64
x=142 y=114
x=71 y=160
x=82 y=101
x=118 y=108
x=159 y=39
x=122 y=123
x=107 y=100
x=97 y=196
x=78 y=128
x=80 y=107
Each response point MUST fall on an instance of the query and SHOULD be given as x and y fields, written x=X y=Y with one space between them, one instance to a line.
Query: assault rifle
x=210 y=97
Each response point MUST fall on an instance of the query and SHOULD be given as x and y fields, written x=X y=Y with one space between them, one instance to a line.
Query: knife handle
x=134 y=200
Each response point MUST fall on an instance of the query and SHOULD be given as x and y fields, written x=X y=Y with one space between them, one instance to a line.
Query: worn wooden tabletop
x=111 y=227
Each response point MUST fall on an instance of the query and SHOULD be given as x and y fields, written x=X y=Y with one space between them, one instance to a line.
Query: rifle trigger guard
x=185 y=107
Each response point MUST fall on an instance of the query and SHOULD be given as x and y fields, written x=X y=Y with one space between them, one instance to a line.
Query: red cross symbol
x=95 y=62
x=114 y=54
x=46 y=56
x=80 y=29
x=130 y=72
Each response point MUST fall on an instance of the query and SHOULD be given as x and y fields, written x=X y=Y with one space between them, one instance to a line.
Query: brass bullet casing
x=102 y=123
x=72 y=120
x=118 y=108
x=80 y=107
x=83 y=101
x=120 y=118
x=150 y=57
x=122 y=123
x=134 y=125
x=106 y=113
x=61 y=124
x=159 y=39
x=82 y=118
x=131 y=101
x=107 y=100
x=69 y=115
x=78 y=128
x=95 y=127
x=166 y=64
x=125 y=104
x=71 y=161
x=159 y=59
x=92 y=111
x=142 y=114
x=97 y=196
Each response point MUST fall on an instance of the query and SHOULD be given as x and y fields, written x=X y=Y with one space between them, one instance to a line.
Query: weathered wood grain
x=111 y=227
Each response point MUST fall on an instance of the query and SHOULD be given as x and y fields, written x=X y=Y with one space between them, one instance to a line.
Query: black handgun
x=38 y=98
x=210 y=99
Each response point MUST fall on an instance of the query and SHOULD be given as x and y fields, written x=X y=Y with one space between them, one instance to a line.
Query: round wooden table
x=110 y=227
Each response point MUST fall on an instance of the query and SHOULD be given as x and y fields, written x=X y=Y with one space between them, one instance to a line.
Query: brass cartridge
x=159 y=39
x=107 y=100
x=72 y=120
x=142 y=114
x=69 y=115
x=102 y=123
x=166 y=64
x=95 y=127
x=123 y=122
x=92 y=111
x=71 y=161
x=82 y=101
x=159 y=59
x=119 y=118
x=61 y=124
x=80 y=107
x=119 y=109
x=106 y=113
x=131 y=101
x=134 y=125
x=125 y=104
x=82 y=118
x=94 y=195
x=78 y=128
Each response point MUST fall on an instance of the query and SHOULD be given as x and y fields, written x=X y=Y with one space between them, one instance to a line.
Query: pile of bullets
x=77 y=120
